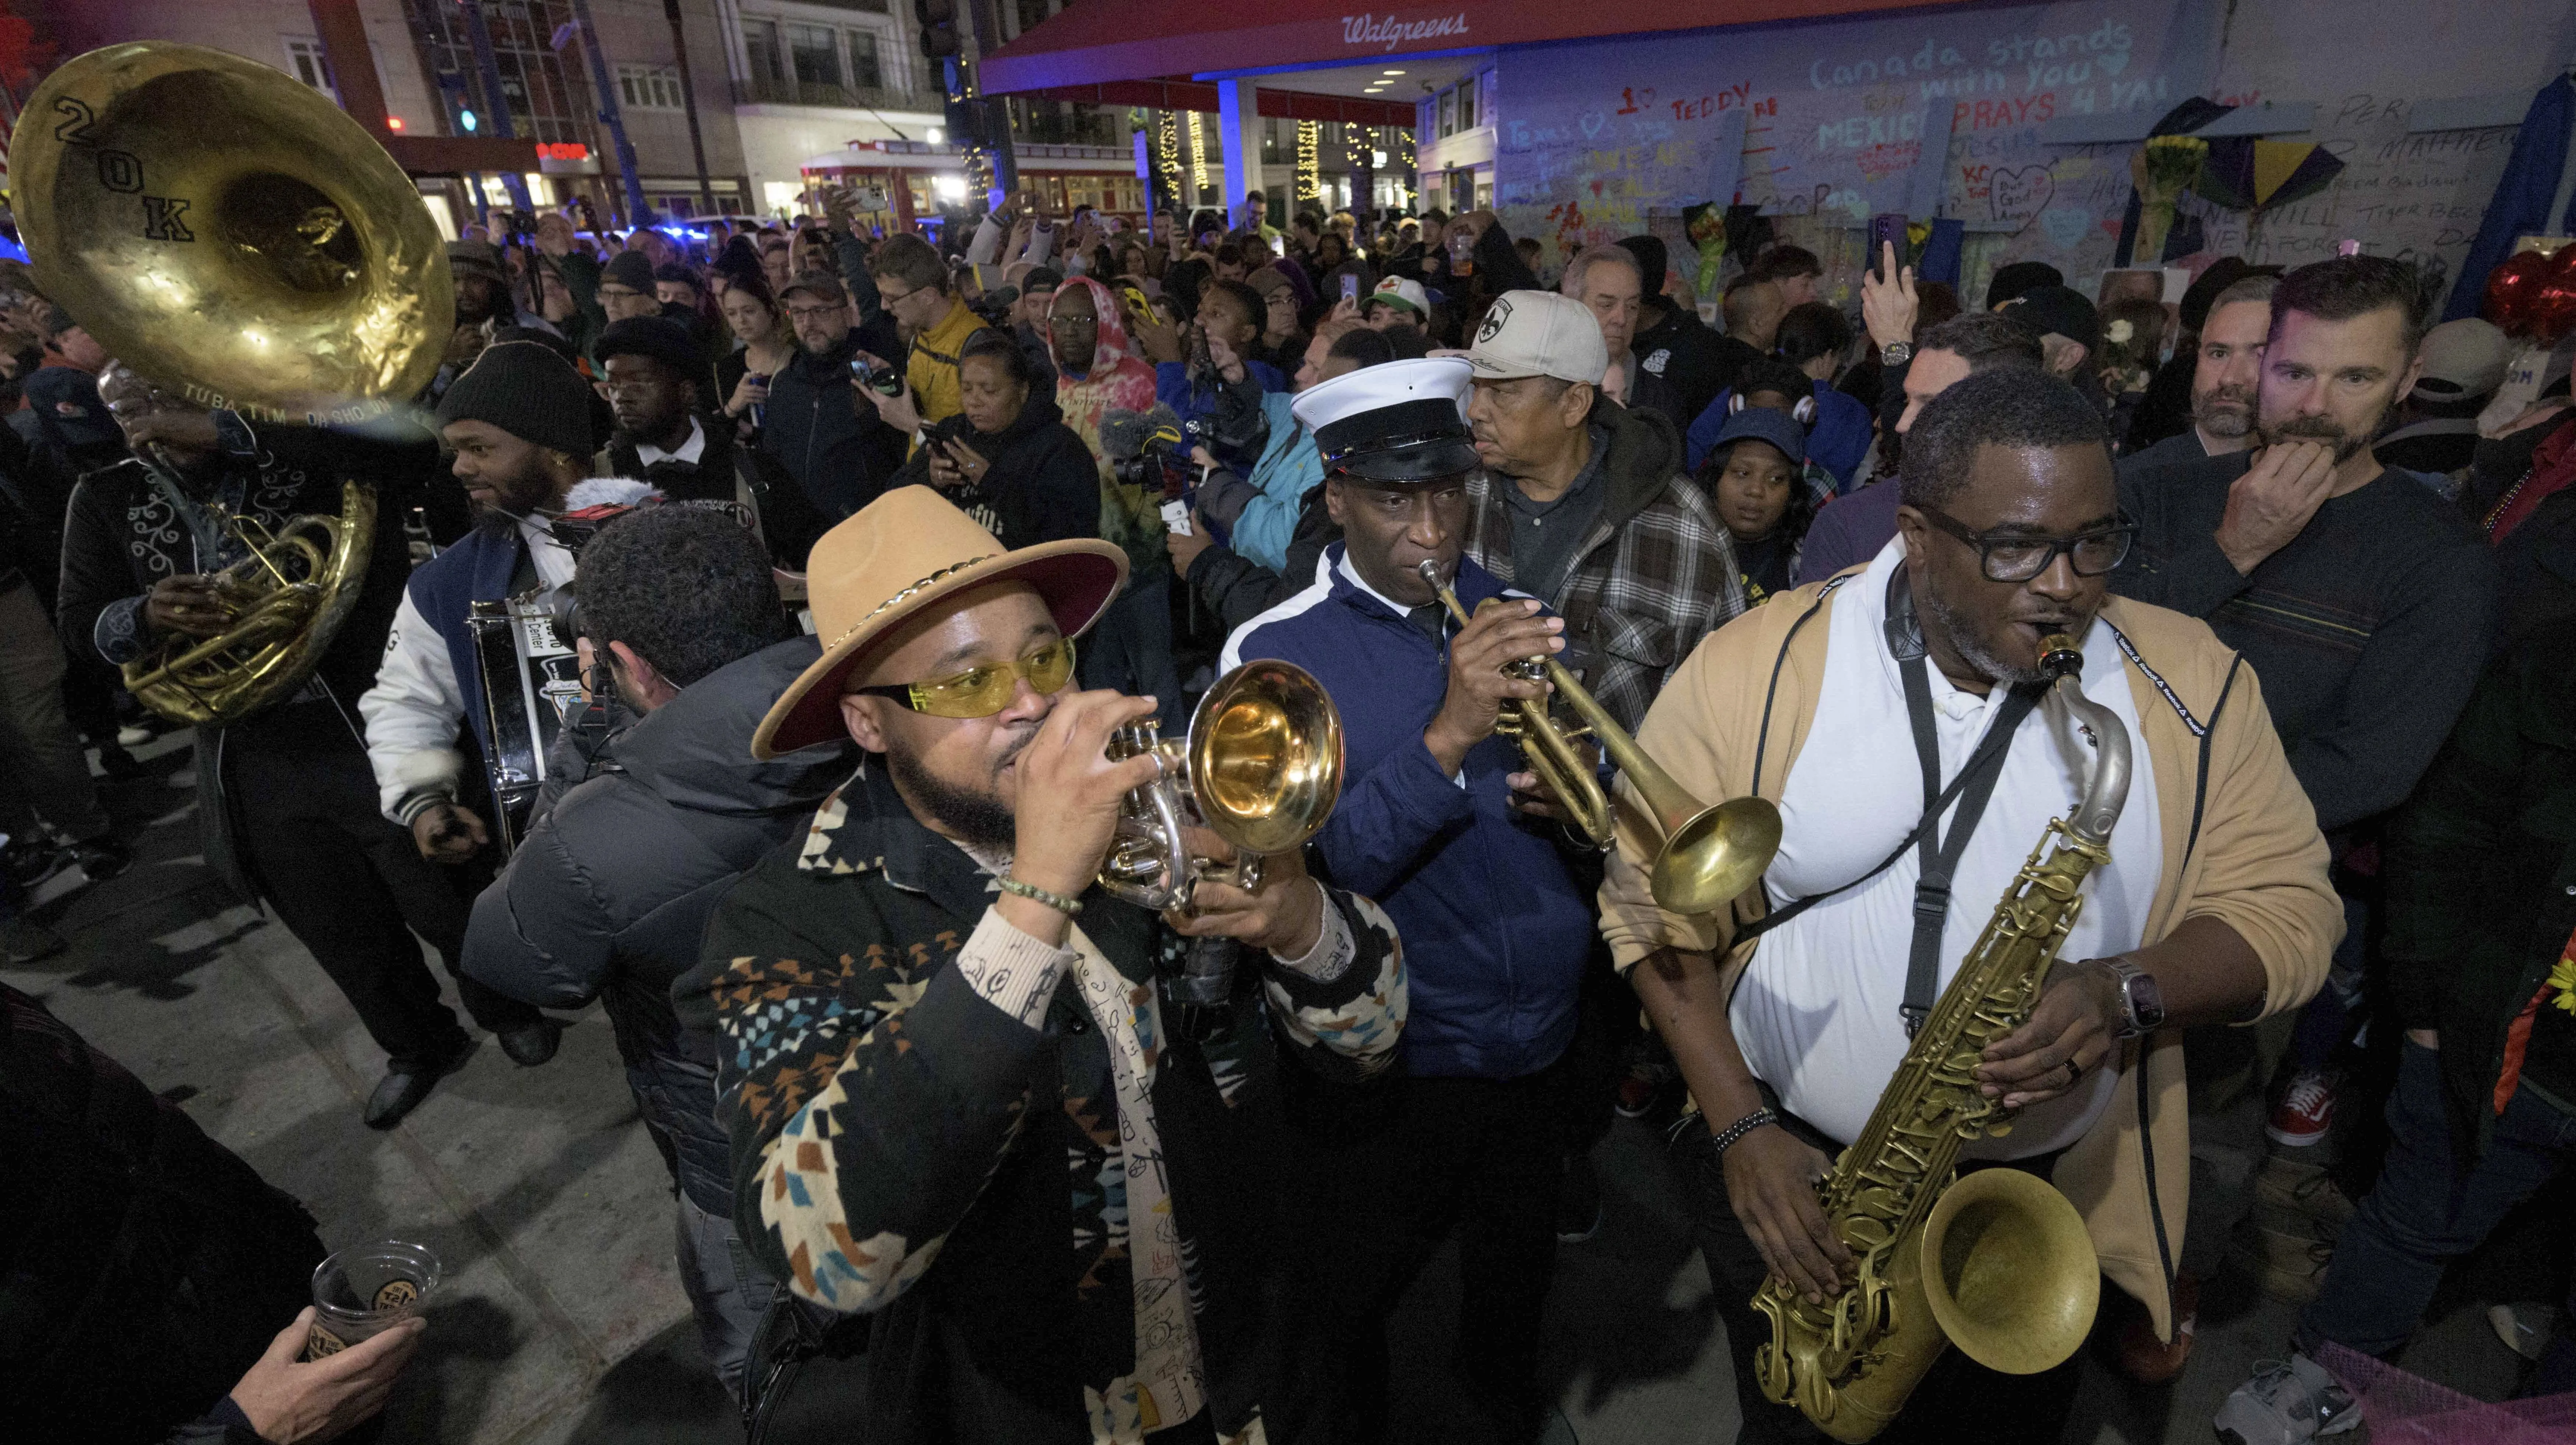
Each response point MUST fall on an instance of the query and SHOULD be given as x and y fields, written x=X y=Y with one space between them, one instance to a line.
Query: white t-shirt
x=1817 y=1011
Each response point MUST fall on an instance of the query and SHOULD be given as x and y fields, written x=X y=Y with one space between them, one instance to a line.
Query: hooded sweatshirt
x=1117 y=379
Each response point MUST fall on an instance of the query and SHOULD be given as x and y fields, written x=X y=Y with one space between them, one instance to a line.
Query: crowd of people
x=867 y=550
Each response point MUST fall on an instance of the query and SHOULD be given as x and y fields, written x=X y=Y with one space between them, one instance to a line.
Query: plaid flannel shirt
x=1646 y=585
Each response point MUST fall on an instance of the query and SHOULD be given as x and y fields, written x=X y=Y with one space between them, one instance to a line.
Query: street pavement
x=562 y=1319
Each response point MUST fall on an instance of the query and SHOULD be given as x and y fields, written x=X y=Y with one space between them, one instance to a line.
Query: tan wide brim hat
x=900 y=555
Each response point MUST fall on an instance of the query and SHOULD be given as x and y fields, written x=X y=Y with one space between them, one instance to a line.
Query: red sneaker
x=2304 y=1113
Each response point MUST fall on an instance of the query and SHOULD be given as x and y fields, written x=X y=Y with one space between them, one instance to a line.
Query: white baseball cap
x=2462 y=359
x=1539 y=333
x=1398 y=291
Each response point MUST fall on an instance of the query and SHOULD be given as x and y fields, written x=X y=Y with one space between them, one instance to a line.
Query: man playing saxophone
x=1906 y=688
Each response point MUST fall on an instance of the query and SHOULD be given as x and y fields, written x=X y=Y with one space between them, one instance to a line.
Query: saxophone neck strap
x=1972 y=789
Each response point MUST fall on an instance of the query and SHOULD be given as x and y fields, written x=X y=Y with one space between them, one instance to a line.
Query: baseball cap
x=1395 y=422
x=2058 y=311
x=2463 y=359
x=1397 y=291
x=823 y=284
x=1763 y=424
x=1539 y=333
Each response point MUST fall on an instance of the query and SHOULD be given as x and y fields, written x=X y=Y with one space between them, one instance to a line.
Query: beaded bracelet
x=1727 y=1138
x=1069 y=907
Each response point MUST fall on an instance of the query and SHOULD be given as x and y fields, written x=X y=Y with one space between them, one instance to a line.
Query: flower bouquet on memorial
x=2162 y=170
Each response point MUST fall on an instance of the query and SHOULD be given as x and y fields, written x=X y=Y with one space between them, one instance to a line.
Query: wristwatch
x=1896 y=353
x=2142 y=1004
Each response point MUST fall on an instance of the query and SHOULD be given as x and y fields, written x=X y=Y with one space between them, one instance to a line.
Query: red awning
x=1095 y=42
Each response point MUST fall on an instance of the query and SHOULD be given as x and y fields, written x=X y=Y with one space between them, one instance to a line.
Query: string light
x=1310 y=181
x=1167 y=151
x=1198 y=160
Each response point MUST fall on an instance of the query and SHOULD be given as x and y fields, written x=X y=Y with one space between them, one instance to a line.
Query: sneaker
x=102 y=857
x=28 y=862
x=120 y=765
x=2525 y=1328
x=24 y=942
x=2305 y=1112
x=2286 y=1402
x=134 y=735
x=1578 y=1200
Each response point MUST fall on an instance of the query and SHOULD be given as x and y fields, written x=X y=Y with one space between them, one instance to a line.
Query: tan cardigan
x=2240 y=843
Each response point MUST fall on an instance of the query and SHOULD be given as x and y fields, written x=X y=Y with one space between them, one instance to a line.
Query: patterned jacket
x=1655 y=576
x=905 y=1149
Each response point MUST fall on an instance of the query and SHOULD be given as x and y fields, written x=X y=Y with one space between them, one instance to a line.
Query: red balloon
x=2511 y=289
x=2553 y=307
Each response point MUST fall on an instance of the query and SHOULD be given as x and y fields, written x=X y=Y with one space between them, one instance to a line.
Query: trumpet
x=1709 y=854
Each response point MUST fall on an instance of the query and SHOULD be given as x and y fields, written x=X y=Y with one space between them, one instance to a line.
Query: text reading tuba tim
x=1997 y=1263
x=232 y=236
x=1709 y=854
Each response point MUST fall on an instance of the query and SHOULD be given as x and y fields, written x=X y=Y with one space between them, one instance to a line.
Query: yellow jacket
x=2240 y=843
x=933 y=367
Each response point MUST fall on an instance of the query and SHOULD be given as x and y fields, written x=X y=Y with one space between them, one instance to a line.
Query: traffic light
x=938 y=27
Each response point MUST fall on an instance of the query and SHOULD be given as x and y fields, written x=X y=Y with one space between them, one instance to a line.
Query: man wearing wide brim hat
x=1498 y=928
x=944 y=1043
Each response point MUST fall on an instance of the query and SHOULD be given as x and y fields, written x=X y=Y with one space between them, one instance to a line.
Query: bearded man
x=519 y=425
x=2356 y=592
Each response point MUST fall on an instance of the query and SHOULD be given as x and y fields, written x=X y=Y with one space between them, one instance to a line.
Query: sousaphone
x=233 y=237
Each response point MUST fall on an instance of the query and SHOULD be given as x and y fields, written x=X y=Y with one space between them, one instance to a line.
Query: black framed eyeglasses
x=2018 y=557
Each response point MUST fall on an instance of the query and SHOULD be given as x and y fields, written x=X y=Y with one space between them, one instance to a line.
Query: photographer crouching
x=608 y=895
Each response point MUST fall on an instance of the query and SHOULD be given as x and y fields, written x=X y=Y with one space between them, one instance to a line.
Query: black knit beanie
x=525 y=389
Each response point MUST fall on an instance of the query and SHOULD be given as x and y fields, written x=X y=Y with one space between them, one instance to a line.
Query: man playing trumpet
x=956 y=1103
x=1495 y=902
x=1905 y=687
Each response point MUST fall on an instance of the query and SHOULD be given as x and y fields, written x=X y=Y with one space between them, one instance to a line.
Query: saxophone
x=1997 y=1263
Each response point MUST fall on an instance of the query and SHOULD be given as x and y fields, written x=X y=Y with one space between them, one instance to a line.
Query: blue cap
x=1763 y=424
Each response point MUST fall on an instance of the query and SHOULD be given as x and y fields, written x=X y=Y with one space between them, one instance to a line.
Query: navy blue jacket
x=1496 y=930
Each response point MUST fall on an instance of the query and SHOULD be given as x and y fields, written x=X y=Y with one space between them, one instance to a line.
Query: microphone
x=1122 y=434
x=1162 y=424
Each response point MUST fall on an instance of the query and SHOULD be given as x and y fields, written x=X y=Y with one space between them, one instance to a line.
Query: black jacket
x=2481 y=876
x=1238 y=589
x=726 y=471
x=1042 y=484
x=143 y=1266
x=121 y=536
x=1691 y=358
x=830 y=440
x=608 y=895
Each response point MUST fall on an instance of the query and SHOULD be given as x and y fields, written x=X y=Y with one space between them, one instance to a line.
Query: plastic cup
x=364 y=1290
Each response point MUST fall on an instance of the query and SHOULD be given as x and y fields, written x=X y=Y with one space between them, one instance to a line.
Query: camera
x=883 y=380
x=1161 y=468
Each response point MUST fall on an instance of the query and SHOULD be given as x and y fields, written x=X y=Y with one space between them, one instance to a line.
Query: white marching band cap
x=1397 y=422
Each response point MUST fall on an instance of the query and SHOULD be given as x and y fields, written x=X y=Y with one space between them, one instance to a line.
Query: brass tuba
x=1709 y=854
x=230 y=234
x=1997 y=1263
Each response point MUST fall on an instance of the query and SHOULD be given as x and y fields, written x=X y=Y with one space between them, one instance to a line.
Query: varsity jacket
x=1501 y=928
x=908 y=1152
x=2240 y=845
x=1656 y=574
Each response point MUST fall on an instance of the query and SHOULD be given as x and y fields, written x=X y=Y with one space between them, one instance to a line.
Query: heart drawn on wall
x=2022 y=192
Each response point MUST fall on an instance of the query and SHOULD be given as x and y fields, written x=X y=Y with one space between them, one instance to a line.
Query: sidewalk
x=562 y=1319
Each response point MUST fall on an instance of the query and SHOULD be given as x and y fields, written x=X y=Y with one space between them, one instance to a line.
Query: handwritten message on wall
x=1840 y=115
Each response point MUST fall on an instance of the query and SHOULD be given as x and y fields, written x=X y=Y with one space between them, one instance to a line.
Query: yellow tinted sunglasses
x=985 y=690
